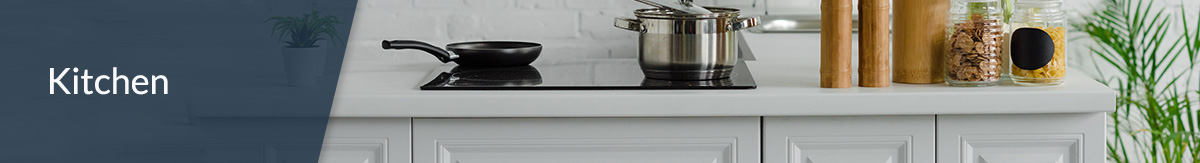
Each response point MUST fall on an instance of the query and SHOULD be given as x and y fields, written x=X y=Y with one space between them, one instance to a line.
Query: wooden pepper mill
x=835 y=43
x=873 y=41
x=920 y=41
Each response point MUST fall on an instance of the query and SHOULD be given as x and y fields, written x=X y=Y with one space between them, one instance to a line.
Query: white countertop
x=785 y=70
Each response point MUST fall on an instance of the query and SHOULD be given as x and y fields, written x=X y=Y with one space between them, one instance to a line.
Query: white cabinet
x=587 y=140
x=1032 y=138
x=1016 y=138
x=367 y=140
x=849 y=139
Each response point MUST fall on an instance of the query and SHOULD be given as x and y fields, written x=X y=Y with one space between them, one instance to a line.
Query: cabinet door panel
x=355 y=150
x=1048 y=148
x=1034 y=138
x=849 y=149
x=849 y=139
x=586 y=140
x=587 y=150
x=367 y=140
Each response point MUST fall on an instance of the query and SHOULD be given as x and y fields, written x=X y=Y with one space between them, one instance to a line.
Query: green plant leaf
x=307 y=29
x=1155 y=119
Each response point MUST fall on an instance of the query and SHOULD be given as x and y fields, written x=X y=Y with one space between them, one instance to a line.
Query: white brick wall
x=584 y=27
x=568 y=28
x=1193 y=11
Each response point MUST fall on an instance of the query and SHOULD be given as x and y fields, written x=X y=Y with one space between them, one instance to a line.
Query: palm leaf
x=1155 y=121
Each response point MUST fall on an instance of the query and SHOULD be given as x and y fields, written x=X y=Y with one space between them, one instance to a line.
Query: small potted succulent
x=303 y=60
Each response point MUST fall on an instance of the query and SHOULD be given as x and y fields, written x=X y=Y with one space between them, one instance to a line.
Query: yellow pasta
x=1053 y=71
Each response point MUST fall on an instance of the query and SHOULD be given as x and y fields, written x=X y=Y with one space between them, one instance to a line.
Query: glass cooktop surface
x=583 y=74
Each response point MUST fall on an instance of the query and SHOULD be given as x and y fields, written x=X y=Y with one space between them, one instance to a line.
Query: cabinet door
x=849 y=139
x=587 y=140
x=1033 y=138
x=366 y=140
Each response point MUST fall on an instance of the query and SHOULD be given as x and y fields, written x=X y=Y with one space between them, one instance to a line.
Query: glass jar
x=1034 y=70
x=1007 y=5
x=974 y=43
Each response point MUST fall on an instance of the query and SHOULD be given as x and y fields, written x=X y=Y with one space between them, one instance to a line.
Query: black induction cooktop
x=582 y=74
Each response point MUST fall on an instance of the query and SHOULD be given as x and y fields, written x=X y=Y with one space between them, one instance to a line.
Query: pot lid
x=717 y=12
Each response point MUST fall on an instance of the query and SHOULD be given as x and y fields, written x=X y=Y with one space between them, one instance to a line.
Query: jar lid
x=717 y=12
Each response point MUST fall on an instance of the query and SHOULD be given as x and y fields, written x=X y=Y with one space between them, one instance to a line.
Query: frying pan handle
x=743 y=23
x=441 y=54
x=628 y=24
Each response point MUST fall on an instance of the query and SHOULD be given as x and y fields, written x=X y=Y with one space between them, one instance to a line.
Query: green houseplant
x=305 y=30
x=303 y=59
x=1156 y=119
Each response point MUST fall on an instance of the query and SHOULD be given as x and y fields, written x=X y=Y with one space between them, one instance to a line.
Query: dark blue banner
x=154 y=81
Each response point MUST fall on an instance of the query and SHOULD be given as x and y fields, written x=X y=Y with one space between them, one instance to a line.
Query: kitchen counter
x=786 y=70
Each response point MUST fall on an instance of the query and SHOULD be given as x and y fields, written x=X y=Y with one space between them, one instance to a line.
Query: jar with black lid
x=1038 y=43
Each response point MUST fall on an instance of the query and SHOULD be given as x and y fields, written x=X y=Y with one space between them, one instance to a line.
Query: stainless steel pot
x=679 y=46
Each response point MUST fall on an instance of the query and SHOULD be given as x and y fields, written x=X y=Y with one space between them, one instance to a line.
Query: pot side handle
x=743 y=23
x=441 y=54
x=628 y=24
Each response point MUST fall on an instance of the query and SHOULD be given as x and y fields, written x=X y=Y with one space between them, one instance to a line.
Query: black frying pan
x=476 y=54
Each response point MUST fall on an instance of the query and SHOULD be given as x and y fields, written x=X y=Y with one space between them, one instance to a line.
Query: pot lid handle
x=628 y=24
x=743 y=23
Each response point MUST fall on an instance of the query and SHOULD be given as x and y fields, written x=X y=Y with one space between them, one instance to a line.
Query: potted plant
x=303 y=60
x=1157 y=118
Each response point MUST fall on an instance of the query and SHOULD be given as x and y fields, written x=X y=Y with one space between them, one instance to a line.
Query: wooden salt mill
x=920 y=41
x=873 y=41
x=835 y=43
